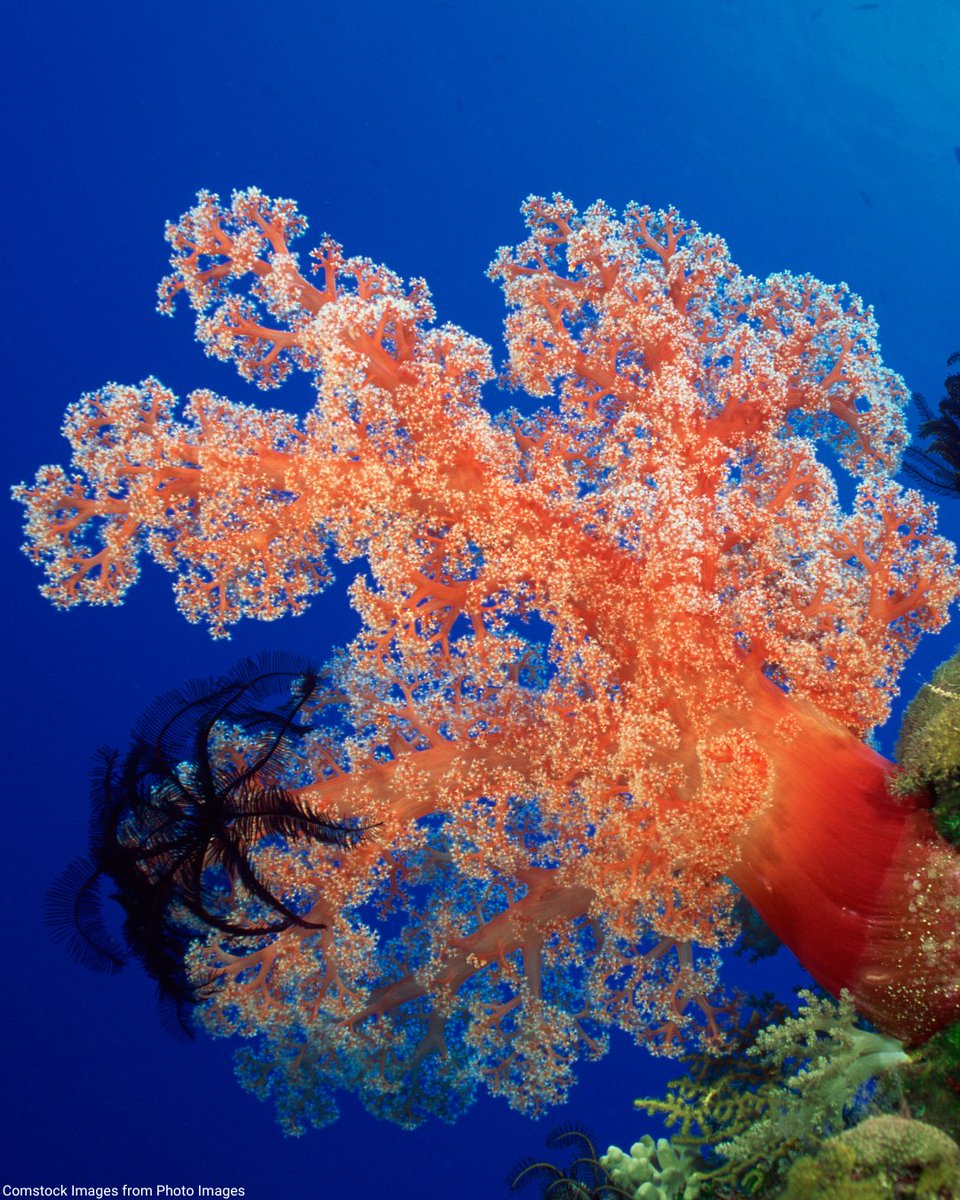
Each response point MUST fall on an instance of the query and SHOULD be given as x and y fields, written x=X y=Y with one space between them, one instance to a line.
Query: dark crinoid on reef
x=937 y=465
x=584 y=1178
x=214 y=773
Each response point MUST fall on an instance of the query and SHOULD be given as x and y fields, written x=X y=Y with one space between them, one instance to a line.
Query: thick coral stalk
x=855 y=880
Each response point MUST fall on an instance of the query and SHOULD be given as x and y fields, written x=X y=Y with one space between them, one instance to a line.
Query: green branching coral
x=882 y=1158
x=785 y=1087
x=928 y=748
x=721 y=1094
x=818 y=1061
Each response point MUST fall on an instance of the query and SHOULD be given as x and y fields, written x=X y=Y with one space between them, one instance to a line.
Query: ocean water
x=815 y=136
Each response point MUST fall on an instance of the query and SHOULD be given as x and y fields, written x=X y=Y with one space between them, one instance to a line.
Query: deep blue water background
x=817 y=136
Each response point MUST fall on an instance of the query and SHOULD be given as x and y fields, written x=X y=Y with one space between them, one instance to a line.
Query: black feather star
x=211 y=774
x=585 y=1178
x=937 y=465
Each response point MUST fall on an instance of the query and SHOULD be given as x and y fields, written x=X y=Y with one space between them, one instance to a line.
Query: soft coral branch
x=613 y=653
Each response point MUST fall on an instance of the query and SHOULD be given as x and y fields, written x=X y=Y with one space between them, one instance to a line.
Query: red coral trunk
x=854 y=880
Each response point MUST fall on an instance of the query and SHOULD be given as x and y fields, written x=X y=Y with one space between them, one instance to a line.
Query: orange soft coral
x=614 y=653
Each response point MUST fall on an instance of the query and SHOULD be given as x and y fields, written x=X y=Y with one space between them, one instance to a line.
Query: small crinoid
x=214 y=772
x=937 y=465
x=584 y=1178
